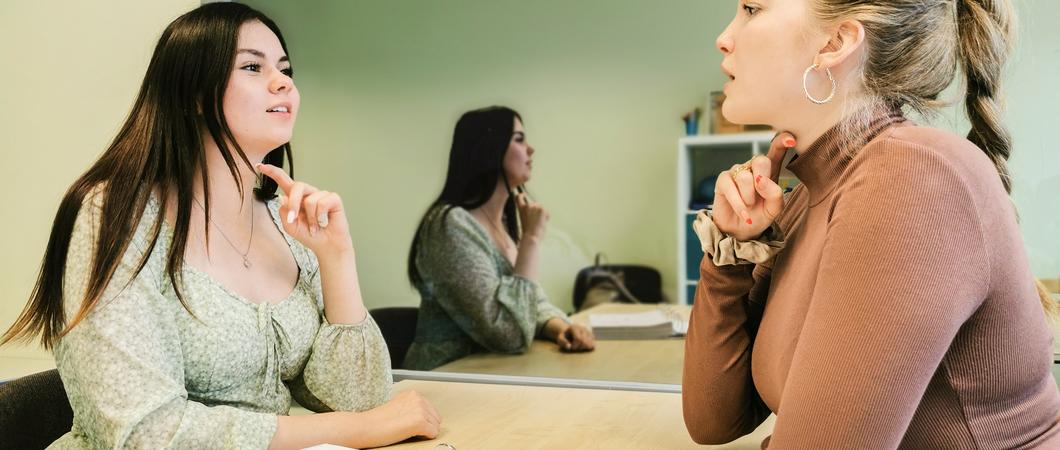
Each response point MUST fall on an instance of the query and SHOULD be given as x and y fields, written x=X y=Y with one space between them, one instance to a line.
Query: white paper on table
x=653 y=324
x=624 y=320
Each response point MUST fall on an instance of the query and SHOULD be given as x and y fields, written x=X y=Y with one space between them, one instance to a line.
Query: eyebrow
x=259 y=53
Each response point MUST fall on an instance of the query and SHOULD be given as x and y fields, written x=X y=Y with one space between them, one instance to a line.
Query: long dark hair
x=476 y=162
x=159 y=147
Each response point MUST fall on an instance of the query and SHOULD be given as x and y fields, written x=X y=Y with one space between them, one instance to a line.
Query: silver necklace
x=245 y=254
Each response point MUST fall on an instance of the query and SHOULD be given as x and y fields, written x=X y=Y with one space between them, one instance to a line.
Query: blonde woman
x=887 y=302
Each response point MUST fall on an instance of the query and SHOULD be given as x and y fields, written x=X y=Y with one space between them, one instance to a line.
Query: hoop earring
x=807 y=90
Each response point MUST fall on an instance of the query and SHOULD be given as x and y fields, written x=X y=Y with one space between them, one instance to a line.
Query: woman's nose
x=280 y=82
x=724 y=41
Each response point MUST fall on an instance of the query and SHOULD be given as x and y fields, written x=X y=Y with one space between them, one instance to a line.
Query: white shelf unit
x=699 y=157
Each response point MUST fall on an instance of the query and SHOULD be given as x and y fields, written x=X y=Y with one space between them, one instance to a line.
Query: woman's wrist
x=336 y=254
x=553 y=328
x=727 y=249
x=530 y=240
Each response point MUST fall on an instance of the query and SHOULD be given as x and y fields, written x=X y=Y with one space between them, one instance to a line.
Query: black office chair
x=398 y=325
x=34 y=411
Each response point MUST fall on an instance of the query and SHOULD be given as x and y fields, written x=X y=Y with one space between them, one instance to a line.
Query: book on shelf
x=654 y=324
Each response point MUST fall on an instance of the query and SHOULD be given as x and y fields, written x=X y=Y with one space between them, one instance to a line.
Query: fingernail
x=758 y=179
x=789 y=142
x=313 y=230
x=322 y=218
x=290 y=217
x=749 y=222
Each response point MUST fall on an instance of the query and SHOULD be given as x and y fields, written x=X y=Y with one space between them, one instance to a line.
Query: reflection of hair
x=914 y=48
x=476 y=162
x=159 y=147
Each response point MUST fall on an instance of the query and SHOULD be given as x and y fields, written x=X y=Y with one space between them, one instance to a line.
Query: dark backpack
x=620 y=283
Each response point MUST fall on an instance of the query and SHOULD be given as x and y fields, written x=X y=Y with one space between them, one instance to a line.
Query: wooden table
x=485 y=416
x=644 y=361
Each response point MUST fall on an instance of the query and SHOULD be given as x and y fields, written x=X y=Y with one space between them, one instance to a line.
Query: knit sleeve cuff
x=724 y=250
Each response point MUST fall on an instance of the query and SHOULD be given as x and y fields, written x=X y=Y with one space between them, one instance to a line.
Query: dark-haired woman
x=199 y=303
x=473 y=264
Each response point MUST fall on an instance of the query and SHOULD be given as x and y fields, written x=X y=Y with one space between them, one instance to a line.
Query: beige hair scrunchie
x=724 y=250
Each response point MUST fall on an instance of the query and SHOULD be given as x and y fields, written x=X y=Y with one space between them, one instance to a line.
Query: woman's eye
x=252 y=67
x=288 y=71
x=751 y=10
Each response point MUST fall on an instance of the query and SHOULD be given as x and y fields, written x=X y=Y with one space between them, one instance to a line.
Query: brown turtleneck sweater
x=901 y=313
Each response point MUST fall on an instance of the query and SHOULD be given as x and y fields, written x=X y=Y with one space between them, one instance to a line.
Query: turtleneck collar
x=819 y=167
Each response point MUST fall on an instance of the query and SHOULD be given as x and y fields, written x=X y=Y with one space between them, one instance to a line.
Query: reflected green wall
x=601 y=85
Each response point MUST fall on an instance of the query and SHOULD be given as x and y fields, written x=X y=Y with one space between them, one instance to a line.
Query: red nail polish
x=749 y=221
x=758 y=179
x=789 y=142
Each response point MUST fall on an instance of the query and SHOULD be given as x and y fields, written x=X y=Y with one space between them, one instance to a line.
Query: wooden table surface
x=486 y=416
x=644 y=361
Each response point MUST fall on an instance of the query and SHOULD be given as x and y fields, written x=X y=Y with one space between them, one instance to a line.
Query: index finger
x=278 y=175
x=778 y=149
x=521 y=200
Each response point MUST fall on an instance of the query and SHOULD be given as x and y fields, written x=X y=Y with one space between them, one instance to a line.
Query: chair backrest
x=398 y=325
x=34 y=411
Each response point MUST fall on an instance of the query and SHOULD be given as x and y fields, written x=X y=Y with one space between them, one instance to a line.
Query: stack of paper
x=655 y=324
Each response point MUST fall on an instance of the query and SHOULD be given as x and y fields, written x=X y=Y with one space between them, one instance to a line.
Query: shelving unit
x=699 y=157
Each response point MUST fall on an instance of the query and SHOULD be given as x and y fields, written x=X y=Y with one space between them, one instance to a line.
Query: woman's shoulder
x=449 y=217
x=447 y=225
x=91 y=212
x=926 y=163
x=921 y=149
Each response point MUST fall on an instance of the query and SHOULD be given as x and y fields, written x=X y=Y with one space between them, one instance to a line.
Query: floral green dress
x=471 y=299
x=142 y=372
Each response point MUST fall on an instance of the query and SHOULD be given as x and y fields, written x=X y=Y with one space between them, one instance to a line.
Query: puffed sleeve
x=349 y=368
x=349 y=364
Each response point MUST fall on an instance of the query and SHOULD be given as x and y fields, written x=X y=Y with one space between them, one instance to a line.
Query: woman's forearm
x=348 y=429
x=526 y=261
x=342 y=289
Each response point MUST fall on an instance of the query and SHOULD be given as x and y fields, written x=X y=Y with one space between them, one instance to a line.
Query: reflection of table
x=478 y=416
x=645 y=361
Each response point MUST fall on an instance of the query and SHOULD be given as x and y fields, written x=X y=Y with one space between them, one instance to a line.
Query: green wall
x=72 y=70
